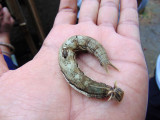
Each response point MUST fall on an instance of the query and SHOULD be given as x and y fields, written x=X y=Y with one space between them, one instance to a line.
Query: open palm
x=38 y=90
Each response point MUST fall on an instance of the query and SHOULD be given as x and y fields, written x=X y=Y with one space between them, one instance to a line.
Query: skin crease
x=38 y=90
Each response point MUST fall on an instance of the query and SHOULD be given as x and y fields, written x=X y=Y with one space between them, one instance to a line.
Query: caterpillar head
x=116 y=93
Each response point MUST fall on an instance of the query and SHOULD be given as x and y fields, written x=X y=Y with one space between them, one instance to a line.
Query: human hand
x=6 y=23
x=38 y=90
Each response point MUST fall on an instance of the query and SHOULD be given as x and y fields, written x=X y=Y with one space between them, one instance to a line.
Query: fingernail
x=4 y=8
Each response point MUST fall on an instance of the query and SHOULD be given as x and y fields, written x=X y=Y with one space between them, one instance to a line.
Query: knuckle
x=109 y=4
x=67 y=9
x=129 y=22
x=129 y=16
x=91 y=1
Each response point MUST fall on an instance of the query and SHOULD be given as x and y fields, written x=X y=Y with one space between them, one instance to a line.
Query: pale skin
x=38 y=90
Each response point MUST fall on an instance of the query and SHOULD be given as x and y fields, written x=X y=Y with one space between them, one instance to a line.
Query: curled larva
x=76 y=78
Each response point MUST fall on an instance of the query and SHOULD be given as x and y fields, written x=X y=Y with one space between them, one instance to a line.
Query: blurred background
x=150 y=33
x=47 y=9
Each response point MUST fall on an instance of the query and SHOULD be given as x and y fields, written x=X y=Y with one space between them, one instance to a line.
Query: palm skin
x=38 y=90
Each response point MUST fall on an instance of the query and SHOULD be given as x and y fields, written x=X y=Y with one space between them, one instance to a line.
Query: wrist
x=4 y=37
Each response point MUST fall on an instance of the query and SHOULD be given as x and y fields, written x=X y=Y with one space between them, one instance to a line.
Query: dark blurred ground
x=47 y=10
x=150 y=33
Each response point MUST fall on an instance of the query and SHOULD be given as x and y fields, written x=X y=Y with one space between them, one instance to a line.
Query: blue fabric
x=153 y=110
x=158 y=72
x=9 y=62
x=142 y=4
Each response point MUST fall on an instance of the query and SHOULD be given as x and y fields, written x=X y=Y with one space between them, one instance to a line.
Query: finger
x=128 y=23
x=1 y=11
x=3 y=65
x=6 y=14
x=108 y=13
x=67 y=12
x=11 y=20
x=89 y=11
